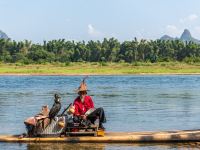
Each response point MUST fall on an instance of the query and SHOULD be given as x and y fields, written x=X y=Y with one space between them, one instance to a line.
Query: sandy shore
x=41 y=74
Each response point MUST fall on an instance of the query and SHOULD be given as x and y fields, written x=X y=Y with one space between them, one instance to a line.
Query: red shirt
x=81 y=108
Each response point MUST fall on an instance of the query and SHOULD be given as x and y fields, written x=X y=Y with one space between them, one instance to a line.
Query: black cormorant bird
x=56 y=107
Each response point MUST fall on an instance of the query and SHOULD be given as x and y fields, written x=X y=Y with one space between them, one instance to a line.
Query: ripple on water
x=98 y=146
x=131 y=103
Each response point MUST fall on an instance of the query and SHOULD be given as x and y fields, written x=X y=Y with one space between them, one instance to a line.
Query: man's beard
x=82 y=98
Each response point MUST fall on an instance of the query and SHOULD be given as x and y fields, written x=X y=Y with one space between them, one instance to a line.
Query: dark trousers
x=99 y=112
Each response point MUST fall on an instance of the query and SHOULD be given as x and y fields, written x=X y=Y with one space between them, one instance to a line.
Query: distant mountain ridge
x=167 y=37
x=3 y=35
x=185 y=36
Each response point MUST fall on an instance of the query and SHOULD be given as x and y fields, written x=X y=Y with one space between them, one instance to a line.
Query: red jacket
x=81 y=108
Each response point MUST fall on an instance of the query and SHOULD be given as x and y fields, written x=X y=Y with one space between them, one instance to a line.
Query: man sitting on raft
x=84 y=107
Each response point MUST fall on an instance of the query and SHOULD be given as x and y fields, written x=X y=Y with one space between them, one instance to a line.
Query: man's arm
x=91 y=103
x=76 y=113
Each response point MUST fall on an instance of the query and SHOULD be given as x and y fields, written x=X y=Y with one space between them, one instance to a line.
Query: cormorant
x=56 y=107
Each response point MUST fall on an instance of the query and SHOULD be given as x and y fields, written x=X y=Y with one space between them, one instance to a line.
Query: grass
x=100 y=69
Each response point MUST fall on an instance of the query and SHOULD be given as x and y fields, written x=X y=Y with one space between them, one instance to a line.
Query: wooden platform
x=117 y=137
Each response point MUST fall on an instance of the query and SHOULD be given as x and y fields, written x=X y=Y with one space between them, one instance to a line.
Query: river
x=131 y=103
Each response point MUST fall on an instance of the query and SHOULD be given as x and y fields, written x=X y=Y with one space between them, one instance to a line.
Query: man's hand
x=84 y=117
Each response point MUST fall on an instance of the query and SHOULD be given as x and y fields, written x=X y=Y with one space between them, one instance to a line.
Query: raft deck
x=116 y=137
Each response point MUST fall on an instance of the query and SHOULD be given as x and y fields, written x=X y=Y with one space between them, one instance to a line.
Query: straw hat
x=83 y=86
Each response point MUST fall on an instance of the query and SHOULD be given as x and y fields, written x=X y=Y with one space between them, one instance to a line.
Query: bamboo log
x=116 y=137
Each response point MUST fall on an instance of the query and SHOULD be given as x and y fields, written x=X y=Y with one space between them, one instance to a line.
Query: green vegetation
x=109 y=50
x=95 y=57
x=80 y=68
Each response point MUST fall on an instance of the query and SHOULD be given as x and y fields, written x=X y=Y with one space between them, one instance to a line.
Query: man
x=84 y=107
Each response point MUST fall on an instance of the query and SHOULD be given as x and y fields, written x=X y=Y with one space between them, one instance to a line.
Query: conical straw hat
x=83 y=86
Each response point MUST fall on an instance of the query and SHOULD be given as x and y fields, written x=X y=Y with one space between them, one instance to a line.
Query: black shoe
x=101 y=127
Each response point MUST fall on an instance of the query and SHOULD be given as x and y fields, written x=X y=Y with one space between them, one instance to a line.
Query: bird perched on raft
x=56 y=107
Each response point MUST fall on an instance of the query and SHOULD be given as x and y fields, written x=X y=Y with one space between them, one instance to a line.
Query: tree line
x=107 y=50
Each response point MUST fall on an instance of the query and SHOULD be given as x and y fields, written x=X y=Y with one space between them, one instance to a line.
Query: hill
x=185 y=36
x=3 y=35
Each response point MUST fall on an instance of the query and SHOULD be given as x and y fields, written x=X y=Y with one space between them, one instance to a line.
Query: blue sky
x=39 y=20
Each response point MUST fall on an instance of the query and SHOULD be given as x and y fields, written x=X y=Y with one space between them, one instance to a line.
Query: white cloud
x=189 y=18
x=193 y=17
x=197 y=29
x=93 y=32
x=172 y=30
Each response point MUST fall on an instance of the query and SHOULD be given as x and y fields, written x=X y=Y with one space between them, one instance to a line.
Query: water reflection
x=62 y=146
x=97 y=146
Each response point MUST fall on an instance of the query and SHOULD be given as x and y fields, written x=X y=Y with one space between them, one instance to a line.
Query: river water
x=131 y=103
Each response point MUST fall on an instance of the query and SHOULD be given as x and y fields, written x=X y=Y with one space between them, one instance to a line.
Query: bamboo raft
x=116 y=137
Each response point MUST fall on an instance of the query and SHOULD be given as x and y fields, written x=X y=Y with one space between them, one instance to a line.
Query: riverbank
x=100 y=69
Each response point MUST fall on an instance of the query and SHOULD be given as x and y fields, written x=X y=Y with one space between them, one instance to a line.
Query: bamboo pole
x=116 y=137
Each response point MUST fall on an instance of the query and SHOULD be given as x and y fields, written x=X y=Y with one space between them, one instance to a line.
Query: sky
x=78 y=20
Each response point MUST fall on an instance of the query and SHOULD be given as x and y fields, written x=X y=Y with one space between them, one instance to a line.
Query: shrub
x=67 y=63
